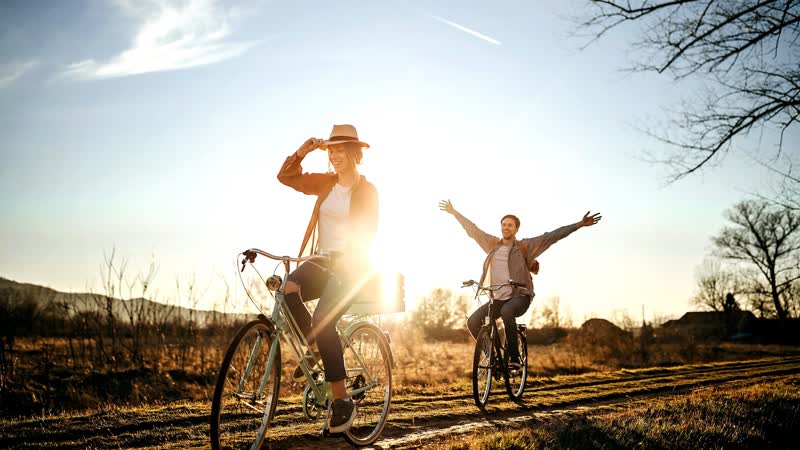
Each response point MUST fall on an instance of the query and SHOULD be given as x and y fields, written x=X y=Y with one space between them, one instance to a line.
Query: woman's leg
x=331 y=307
x=329 y=310
x=304 y=284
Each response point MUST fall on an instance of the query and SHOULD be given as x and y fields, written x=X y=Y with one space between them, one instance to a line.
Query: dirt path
x=417 y=418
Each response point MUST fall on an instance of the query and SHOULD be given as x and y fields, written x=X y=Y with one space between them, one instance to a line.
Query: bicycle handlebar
x=251 y=253
x=491 y=288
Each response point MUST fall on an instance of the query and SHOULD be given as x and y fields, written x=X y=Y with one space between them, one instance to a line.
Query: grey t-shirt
x=499 y=272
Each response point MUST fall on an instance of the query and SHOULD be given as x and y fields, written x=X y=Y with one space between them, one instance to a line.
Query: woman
x=341 y=230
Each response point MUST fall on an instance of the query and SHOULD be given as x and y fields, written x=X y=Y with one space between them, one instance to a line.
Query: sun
x=392 y=280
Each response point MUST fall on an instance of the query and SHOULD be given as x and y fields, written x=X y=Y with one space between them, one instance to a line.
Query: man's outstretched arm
x=537 y=246
x=485 y=240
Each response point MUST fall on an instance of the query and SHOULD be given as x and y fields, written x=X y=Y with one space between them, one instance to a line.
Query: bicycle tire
x=482 y=362
x=239 y=415
x=373 y=405
x=515 y=383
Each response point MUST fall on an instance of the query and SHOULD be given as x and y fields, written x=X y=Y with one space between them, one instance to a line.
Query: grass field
x=649 y=408
x=48 y=381
x=574 y=398
x=765 y=414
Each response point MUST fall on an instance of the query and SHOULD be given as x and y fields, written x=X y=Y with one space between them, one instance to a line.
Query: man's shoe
x=514 y=365
x=311 y=359
x=343 y=412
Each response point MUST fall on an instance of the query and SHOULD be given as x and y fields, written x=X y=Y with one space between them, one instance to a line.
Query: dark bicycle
x=491 y=358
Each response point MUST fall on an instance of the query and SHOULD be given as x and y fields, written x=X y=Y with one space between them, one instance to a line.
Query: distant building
x=736 y=325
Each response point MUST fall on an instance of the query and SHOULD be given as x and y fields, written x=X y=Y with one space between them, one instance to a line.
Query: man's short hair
x=511 y=216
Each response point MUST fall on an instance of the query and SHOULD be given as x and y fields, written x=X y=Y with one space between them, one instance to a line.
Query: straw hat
x=341 y=134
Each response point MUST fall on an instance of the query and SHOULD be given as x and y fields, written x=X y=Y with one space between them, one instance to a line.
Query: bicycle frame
x=494 y=333
x=492 y=353
x=285 y=324
x=250 y=374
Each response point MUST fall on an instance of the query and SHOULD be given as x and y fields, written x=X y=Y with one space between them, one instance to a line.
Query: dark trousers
x=318 y=281
x=509 y=310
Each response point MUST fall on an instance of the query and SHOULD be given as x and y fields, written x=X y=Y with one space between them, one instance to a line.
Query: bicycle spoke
x=244 y=397
x=482 y=368
x=368 y=364
x=515 y=381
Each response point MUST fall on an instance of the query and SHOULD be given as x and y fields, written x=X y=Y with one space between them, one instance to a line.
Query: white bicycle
x=248 y=384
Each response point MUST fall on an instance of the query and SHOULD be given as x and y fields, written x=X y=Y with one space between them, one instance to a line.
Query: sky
x=155 y=129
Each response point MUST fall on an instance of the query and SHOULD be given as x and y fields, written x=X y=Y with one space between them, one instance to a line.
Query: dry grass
x=762 y=415
x=49 y=382
x=751 y=414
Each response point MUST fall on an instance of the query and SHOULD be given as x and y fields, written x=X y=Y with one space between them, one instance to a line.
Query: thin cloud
x=468 y=31
x=9 y=73
x=172 y=36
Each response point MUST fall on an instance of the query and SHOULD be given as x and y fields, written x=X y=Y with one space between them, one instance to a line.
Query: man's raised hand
x=589 y=220
x=446 y=206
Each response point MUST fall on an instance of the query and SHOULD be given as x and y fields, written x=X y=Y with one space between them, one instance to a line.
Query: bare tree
x=790 y=299
x=787 y=188
x=439 y=312
x=767 y=237
x=136 y=311
x=747 y=52
x=188 y=331
x=550 y=312
x=551 y=315
x=713 y=285
x=112 y=276
x=19 y=312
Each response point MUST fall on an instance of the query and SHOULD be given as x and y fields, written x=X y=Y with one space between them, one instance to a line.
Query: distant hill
x=74 y=303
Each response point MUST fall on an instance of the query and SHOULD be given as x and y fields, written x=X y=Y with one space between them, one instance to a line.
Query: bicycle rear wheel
x=482 y=368
x=515 y=381
x=245 y=395
x=368 y=359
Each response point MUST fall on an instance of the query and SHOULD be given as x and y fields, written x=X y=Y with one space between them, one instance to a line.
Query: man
x=511 y=259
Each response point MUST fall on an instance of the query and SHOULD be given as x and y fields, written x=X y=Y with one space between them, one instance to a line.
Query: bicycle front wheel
x=368 y=363
x=246 y=395
x=482 y=368
x=515 y=381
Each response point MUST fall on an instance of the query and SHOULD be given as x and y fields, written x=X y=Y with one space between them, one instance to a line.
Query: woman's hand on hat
x=309 y=146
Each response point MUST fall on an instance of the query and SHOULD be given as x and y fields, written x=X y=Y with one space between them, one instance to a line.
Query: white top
x=500 y=273
x=334 y=220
